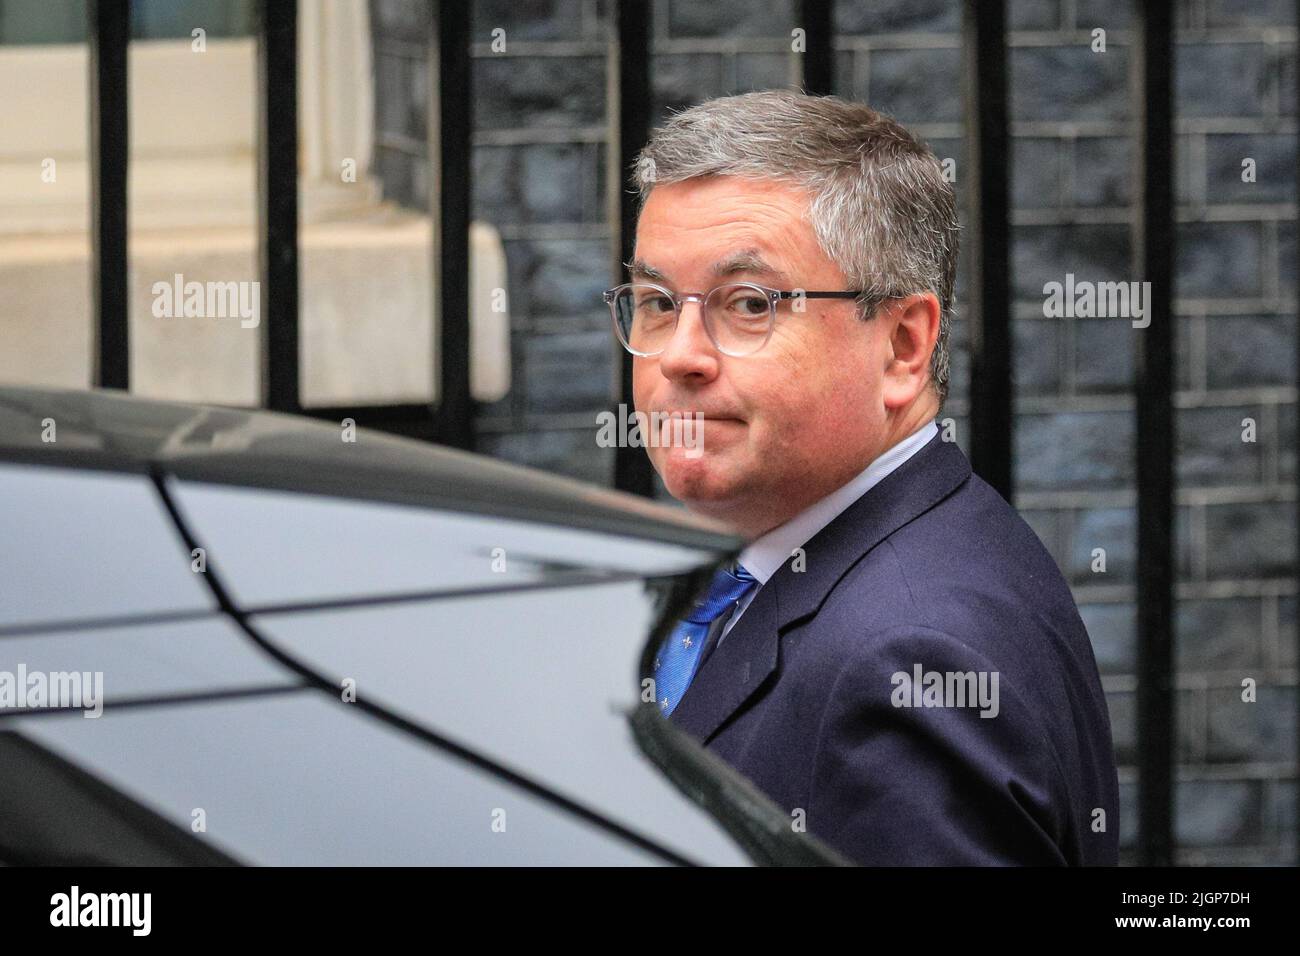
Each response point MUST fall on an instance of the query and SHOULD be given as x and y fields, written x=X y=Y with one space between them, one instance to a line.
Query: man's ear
x=913 y=325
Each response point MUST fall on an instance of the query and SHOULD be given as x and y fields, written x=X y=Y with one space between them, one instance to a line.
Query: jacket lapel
x=731 y=672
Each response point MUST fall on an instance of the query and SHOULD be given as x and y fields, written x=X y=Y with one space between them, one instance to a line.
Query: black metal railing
x=629 y=107
x=109 y=31
x=448 y=419
x=988 y=245
x=817 y=62
x=277 y=195
x=1152 y=67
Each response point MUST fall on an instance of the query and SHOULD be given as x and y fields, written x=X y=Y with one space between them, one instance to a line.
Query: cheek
x=793 y=408
x=820 y=412
x=645 y=376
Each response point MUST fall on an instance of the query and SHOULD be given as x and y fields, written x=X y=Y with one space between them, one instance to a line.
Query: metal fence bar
x=1153 y=261
x=277 y=62
x=109 y=31
x=1297 y=447
x=450 y=193
x=988 y=310
x=817 y=20
x=629 y=114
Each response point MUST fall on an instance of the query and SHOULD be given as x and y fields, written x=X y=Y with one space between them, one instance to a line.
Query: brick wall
x=540 y=175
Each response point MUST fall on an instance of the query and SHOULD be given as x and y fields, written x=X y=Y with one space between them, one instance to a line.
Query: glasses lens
x=739 y=317
x=645 y=317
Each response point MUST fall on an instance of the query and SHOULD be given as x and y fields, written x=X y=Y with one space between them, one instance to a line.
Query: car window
x=541 y=681
x=303 y=780
x=277 y=547
x=82 y=545
x=143 y=660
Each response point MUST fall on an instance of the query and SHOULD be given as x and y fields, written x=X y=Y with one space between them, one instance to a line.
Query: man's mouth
x=695 y=415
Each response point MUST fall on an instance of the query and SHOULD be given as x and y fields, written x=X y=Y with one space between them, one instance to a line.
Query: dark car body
x=322 y=647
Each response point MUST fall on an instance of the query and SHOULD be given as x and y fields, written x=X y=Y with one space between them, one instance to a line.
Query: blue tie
x=679 y=656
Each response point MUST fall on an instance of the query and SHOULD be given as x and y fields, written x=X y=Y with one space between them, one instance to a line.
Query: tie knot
x=727 y=587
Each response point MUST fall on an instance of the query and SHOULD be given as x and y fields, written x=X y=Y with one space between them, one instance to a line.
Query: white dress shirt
x=767 y=553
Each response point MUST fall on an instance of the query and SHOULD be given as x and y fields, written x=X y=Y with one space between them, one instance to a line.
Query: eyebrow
x=640 y=269
x=748 y=261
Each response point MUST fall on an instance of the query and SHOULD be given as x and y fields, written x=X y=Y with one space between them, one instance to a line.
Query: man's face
x=790 y=423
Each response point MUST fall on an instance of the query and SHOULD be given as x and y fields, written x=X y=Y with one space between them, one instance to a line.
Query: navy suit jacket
x=931 y=567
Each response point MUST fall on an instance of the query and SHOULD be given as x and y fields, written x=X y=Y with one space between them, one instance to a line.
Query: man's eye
x=655 y=305
x=655 y=312
x=748 y=306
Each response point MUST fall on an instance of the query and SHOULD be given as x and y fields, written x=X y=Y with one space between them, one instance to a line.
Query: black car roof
x=116 y=431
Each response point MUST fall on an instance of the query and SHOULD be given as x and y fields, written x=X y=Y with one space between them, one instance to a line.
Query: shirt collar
x=767 y=553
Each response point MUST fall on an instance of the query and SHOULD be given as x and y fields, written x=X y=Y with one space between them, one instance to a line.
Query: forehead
x=724 y=225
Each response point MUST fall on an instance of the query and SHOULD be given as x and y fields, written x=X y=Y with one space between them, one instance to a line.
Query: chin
x=700 y=483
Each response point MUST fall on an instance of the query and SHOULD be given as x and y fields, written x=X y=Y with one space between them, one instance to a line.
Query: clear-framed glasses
x=738 y=316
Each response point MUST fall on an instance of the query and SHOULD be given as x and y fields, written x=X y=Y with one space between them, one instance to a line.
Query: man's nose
x=690 y=352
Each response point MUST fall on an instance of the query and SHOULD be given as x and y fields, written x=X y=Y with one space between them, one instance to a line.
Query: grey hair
x=879 y=206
